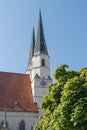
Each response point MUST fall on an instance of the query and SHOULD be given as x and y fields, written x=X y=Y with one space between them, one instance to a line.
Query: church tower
x=39 y=64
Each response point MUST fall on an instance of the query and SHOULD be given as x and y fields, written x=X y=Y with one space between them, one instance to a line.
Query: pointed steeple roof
x=31 y=49
x=40 y=44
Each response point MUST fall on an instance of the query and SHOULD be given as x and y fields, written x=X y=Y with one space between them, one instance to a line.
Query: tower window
x=43 y=62
x=22 y=125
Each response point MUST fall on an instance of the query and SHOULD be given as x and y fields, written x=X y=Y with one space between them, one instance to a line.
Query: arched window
x=22 y=125
x=43 y=62
x=4 y=124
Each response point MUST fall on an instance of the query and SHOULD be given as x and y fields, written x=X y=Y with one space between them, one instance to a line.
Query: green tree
x=65 y=105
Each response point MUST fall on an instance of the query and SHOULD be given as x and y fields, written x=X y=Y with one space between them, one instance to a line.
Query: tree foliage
x=65 y=105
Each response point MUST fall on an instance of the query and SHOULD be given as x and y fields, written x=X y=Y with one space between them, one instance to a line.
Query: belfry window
x=22 y=125
x=43 y=62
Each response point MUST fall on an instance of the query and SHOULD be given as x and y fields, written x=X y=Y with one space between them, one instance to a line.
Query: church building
x=21 y=94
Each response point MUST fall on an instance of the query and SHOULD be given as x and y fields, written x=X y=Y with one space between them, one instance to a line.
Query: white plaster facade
x=14 y=119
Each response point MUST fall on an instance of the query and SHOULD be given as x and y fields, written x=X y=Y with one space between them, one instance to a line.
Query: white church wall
x=40 y=91
x=14 y=119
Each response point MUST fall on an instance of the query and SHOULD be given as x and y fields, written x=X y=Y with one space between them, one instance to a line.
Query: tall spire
x=31 y=50
x=40 y=45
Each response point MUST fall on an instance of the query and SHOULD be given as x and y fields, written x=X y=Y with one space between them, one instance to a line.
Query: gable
x=16 y=92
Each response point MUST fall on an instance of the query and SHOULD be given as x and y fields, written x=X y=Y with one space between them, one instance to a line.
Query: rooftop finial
x=40 y=5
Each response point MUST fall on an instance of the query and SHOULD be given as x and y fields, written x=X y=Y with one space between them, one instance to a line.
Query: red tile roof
x=16 y=93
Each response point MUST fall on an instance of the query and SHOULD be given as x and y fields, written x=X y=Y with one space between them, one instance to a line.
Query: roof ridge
x=12 y=73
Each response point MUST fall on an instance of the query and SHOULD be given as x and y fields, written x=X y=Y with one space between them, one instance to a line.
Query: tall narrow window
x=22 y=125
x=31 y=127
x=43 y=62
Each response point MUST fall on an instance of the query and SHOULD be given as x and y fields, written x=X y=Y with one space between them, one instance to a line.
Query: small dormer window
x=16 y=103
x=43 y=62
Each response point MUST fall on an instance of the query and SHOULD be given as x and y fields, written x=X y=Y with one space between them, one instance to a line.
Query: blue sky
x=65 y=27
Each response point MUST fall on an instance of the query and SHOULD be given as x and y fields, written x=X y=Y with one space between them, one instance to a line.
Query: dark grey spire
x=40 y=45
x=31 y=50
